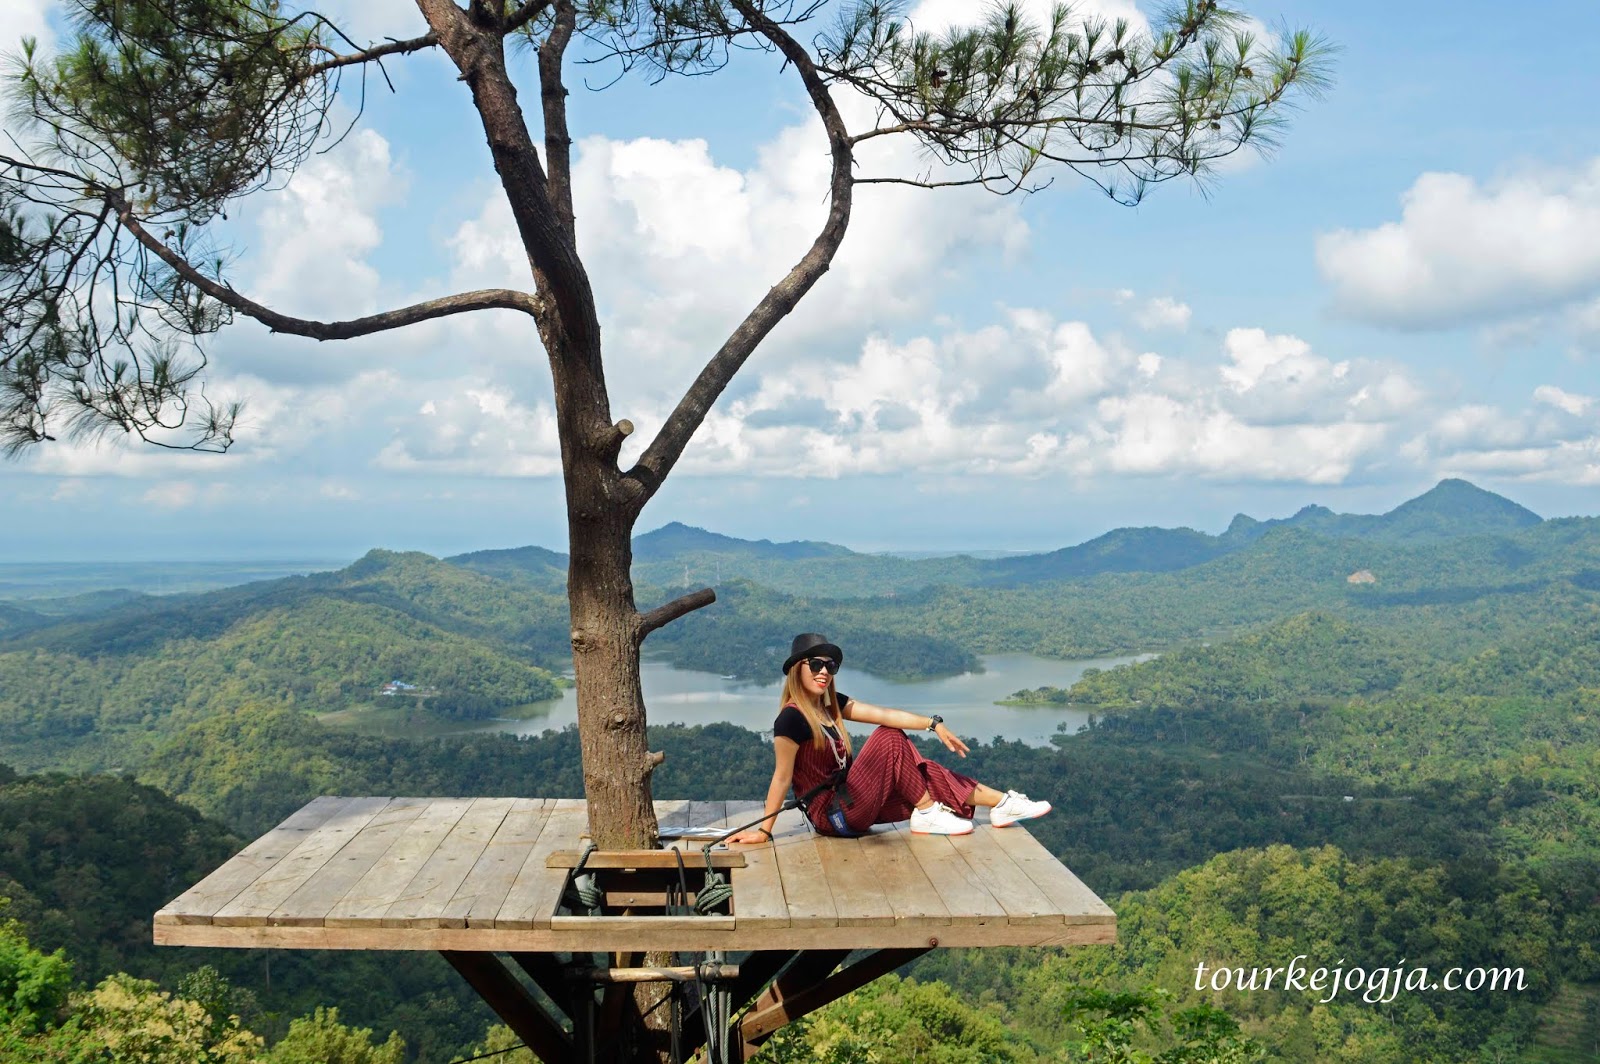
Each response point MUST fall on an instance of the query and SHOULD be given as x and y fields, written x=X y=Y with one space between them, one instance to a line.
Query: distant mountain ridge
x=676 y=538
x=1452 y=509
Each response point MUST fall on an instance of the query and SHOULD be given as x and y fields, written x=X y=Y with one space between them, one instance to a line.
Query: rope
x=583 y=891
x=491 y=1053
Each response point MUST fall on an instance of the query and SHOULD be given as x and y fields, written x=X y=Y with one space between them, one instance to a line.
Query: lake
x=683 y=696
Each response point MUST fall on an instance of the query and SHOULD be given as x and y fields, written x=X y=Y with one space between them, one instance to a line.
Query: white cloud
x=171 y=495
x=680 y=247
x=1163 y=312
x=25 y=18
x=1554 y=439
x=1161 y=434
x=472 y=428
x=1570 y=402
x=318 y=232
x=1465 y=253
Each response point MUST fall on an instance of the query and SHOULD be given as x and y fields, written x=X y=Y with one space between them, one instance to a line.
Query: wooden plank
x=1075 y=901
x=199 y=902
x=666 y=858
x=308 y=906
x=487 y=885
x=634 y=939
x=436 y=882
x=584 y=925
x=962 y=889
x=758 y=887
x=371 y=895
x=531 y=901
x=805 y=889
x=913 y=897
x=858 y=897
x=257 y=902
x=1023 y=902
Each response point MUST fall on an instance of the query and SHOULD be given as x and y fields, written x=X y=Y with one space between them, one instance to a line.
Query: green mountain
x=1125 y=550
x=1451 y=509
x=534 y=565
x=98 y=691
x=675 y=540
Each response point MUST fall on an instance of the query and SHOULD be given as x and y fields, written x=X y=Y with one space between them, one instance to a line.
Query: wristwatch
x=934 y=721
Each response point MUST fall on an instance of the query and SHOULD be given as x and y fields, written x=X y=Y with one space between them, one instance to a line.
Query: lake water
x=966 y=702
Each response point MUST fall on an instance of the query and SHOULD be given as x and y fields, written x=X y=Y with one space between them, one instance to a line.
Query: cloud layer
x=1467 y=253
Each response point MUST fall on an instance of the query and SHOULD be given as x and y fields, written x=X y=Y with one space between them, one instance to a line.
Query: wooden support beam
x=512 y=1002
x=759 y=1023
x=758 y=969
x=549 y=976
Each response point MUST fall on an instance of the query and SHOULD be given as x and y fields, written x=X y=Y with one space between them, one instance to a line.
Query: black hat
x=808 y=643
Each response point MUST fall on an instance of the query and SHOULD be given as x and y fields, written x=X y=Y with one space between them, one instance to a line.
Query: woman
x=887 y=781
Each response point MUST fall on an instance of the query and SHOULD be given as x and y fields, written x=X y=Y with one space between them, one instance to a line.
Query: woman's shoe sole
x=1020 y=819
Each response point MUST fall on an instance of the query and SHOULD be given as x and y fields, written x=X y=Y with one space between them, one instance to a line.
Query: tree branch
x=657 y=461
x=367 y=55
x=665 y=615
x=483 y=299
x=553 y=97
x=524 y=15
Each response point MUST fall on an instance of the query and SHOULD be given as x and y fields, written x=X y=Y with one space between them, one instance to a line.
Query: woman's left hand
x=951 y=740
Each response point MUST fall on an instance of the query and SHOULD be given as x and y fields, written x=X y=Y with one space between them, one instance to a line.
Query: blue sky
x=1408 y=289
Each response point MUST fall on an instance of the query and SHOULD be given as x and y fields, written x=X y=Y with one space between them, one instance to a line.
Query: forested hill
x=1451 y=509
x=96 y=691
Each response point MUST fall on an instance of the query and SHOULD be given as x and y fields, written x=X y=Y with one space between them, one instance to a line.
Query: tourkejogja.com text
x=1377 y=986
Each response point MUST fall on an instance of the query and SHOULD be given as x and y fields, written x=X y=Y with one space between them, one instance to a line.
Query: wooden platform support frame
x=481 y=880
x=775 y=988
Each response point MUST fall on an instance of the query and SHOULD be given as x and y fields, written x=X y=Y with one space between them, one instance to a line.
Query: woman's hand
x=753 y=837
x=951 y=740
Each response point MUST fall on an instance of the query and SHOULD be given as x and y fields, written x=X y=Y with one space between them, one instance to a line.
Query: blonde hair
x=794 y=694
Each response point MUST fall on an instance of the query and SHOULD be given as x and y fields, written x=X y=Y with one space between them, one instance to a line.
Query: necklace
x=836 y=746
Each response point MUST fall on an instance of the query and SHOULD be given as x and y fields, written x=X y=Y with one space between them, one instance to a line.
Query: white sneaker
x=938 y=820
x=1014 y=807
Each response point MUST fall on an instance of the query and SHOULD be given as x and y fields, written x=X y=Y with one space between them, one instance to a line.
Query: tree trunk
x=605 y=658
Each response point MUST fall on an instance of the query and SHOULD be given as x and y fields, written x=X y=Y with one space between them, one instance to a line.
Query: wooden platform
x=474 y=874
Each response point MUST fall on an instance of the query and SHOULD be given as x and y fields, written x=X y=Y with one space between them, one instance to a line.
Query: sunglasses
x=817 y=665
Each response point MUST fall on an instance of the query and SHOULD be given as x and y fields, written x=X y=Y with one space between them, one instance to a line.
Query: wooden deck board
x=256 y=903
x=436 y=882
x=201 y=901
x=479 y=900
x=1066 y=892
x=964 y=891
x=858 y=897
x=911 y=894
x=805 y=889
x=1023 y=902
x=308 y=906
x=531 y=901
x=471 y=874
x=758 y=886
x=387 y=879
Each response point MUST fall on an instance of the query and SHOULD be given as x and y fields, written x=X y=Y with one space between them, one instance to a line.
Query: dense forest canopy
x=1404 y=769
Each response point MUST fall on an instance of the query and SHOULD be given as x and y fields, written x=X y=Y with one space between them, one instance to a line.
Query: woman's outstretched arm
x=867 y=713
x=784 y=750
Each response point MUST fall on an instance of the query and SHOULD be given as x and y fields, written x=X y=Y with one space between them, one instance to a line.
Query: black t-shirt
x=792 y=724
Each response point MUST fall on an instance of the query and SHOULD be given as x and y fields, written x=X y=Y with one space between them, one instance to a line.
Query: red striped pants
x=887 y=777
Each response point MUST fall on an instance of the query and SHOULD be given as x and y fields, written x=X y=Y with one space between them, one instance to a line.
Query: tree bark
x=605 y=659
